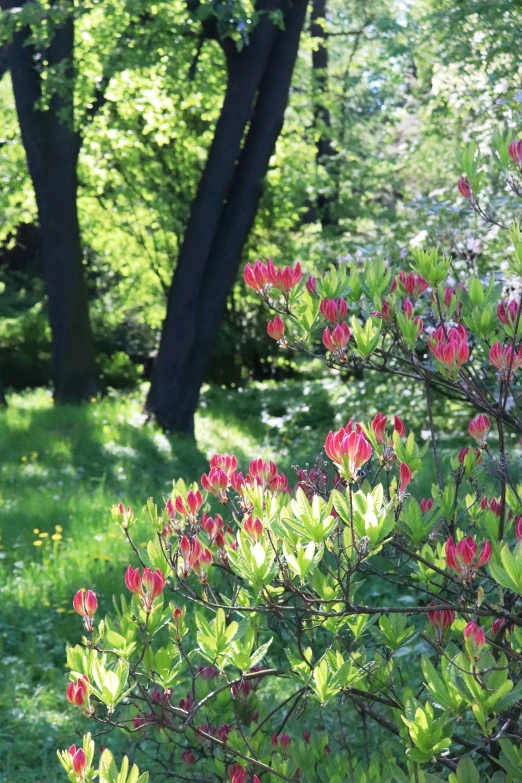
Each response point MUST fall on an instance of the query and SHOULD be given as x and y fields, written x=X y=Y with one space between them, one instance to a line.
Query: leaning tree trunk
x=236 y=221
x=245 y=72
x=52 y=149
x=325 y=200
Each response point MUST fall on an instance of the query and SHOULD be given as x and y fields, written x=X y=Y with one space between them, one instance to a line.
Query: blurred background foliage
x=406 y=83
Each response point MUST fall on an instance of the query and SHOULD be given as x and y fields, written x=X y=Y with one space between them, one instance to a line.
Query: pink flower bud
x=411 y=284
x=379 y=427
x=337 y=340
x=253 y=528
x=333 y=310
x=479 y=428
x=194 y=502
x=153 y=582
x=216 y=482
x=441 y=619
x=349 y=450
x=133 y=580
x=86 y=604
x=311 y=285
x=79 y=762
x=507 y=313
x=226 y=462
x=461 y=558
x=426 y=504
x=518 y=529
x=276 y=330
x=256 y=276
x=497 y=626
x=450 y=349
x=407 y=308
x=405 y=477
x=284 y=279
x=78 y=692
x=515 y=152
x=506 y=360
x=398 y=426
x=465 y=188
x=475 y=639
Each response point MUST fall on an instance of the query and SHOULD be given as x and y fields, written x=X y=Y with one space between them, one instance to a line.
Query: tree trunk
x=236 y=221
x=325 y=201
x=245 y=71
x=52 y=149
x=3 y=400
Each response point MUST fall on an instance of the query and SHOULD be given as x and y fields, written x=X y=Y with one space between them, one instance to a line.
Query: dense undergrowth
x=61 y=469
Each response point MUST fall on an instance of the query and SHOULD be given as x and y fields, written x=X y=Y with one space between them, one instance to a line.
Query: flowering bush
x=256 y=639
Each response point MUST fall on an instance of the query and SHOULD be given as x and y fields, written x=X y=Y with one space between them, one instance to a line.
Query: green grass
x=62 y=468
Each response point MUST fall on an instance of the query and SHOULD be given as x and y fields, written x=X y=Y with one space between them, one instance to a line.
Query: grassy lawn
x=61 y=469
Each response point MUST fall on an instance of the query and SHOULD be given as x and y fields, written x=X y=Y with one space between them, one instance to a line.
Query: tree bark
x=325 y=201
x=52 y=147
x=224 y=256
x=245 y=72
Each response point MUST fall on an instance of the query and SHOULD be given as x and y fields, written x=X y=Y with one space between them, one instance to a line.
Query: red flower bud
x=411 y=284
x=333 y=310
x=78 y=692
x=441 y=619
x=515 y=151
x=86 y=604
x=507 y=313
x=311 y=285
x=276 y=330
x=349 y=450
x=284 y=279
x=253 y=528
x=79 y=762
x=450 y=349
x=407 y=308
x=226 y=462
x=256 y=276
x=518 y=528
x=475 y=639
x=506 y=360
x=479 y=428
x=405 y=476
x=465 y=188
x=337 y=340
x=379 y=427
x=426 y=505
x=462 y=557
x=398 y=426
x=216 y=482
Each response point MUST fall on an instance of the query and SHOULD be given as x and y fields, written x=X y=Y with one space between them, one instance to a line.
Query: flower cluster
x=463 y=559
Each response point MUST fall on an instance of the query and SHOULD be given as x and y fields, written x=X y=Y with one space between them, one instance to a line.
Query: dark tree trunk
x=191 y=358
x=4 y=61
x=3 y=401
x=325 y=201
x=245 y=72
x=52 y=149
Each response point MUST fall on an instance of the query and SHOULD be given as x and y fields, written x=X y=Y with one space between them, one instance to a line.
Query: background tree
x=223 y=211
x=52 y=146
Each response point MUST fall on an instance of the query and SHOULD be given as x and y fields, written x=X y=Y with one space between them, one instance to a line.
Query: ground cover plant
x=251 y=641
